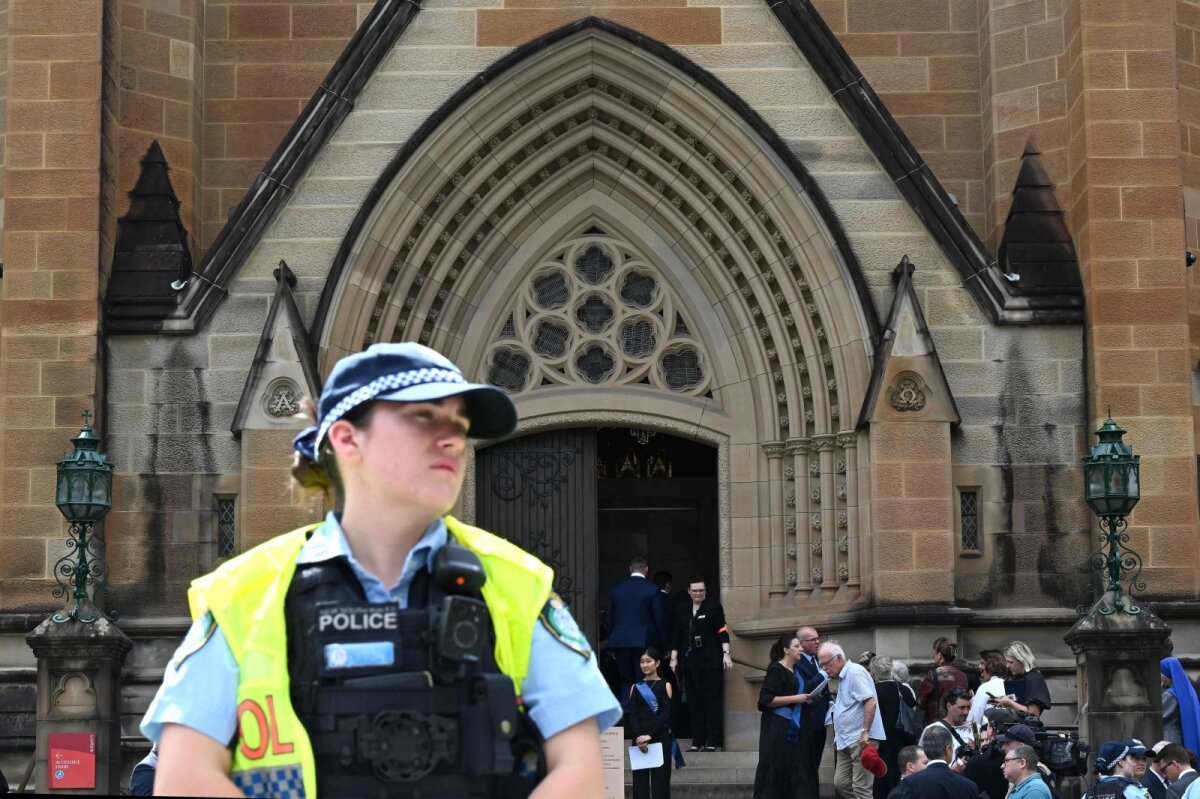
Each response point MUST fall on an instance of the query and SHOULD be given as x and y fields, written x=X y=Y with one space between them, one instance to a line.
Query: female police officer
x=322 y=661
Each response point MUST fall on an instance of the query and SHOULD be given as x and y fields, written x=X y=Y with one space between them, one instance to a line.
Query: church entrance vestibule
x=586 y=500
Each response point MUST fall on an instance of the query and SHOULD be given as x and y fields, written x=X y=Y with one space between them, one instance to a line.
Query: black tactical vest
x=1112 y=788
x=391 y=704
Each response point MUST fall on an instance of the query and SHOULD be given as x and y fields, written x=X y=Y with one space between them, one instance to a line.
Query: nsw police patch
x=202 y=630
x=559 y=622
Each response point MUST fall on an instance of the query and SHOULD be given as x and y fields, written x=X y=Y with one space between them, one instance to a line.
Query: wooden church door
x=539 y=491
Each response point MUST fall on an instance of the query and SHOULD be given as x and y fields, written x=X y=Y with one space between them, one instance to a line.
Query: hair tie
x=305 y=443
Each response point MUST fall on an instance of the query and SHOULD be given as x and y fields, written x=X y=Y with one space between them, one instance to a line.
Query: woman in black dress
x=1025 y=684
x=650 y=722
x=891 y=693
x=778 y=774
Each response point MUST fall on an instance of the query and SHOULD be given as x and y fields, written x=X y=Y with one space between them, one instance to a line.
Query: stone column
x=1116 y=659
x=79 y=691
x=774 y=451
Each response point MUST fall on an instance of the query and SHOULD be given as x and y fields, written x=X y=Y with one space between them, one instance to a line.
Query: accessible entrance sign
x=72 y=760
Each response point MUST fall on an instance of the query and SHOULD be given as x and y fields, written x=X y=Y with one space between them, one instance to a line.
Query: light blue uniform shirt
x=846 y=713
x=562 y=688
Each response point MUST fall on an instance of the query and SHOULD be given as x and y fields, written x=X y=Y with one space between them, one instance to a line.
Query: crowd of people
x=969 y=731
x=962 y=734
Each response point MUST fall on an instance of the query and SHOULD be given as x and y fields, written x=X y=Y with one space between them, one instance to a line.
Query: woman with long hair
x=650 y=723
x=940 y=680
x=780 y=702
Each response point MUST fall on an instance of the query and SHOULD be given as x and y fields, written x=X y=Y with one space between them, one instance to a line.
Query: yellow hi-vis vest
x=272 y=755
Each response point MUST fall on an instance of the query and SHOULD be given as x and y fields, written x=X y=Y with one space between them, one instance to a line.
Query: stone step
x=721 y=775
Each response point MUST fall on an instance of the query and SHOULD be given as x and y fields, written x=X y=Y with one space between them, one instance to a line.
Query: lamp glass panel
x=1134 y=488
x=1095 y=483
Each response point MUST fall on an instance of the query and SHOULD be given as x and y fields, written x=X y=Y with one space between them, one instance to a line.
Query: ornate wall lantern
x=84 y=496
x=1112 y=489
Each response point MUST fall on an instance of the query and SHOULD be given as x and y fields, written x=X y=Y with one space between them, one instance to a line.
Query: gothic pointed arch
x=593 y=145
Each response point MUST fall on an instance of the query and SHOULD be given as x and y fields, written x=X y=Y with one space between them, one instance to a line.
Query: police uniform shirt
x=563 y=686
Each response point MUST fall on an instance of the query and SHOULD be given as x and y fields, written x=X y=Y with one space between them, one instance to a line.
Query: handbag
x=906 y=715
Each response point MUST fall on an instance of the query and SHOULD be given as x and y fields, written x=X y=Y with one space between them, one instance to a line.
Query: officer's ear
x=457 y=570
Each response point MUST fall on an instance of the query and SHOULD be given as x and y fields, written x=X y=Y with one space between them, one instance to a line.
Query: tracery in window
x=596 y=312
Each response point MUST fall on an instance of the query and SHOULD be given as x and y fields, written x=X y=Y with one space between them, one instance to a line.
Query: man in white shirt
x=958 y=704
x=992 y=670
x=855 y=719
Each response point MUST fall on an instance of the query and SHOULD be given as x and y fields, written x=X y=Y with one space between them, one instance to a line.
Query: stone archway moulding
x=592 y=128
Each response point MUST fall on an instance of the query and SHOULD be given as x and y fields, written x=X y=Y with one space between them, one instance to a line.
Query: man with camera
x=937 y=780
x=958 y=705
x=986 y=769
x=1021 y=769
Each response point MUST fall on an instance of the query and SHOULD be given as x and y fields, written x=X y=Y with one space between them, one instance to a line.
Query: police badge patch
x=559 y=622
x=196 y=638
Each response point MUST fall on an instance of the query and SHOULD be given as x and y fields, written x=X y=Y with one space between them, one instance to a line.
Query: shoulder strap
x=953 y=731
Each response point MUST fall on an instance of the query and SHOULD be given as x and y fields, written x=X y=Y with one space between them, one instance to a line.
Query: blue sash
x=793 y=733
x=648 y=695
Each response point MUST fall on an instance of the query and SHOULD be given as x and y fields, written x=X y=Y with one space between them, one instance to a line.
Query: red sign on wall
x=72 y=759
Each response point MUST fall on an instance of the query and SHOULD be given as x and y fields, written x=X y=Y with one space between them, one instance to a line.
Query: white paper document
x=652 y=758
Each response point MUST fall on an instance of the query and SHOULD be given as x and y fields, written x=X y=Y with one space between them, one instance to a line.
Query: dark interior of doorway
x=656 y=497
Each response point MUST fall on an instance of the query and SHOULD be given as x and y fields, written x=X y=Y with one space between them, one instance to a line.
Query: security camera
x=1191 y=257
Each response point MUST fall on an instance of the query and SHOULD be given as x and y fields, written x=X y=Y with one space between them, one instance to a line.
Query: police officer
x=1120 y=765
x=390 y=650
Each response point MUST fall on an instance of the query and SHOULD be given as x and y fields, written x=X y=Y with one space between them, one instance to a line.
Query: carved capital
x=824 y=443
x=774 y=449
x=847 y=439
x=798 y=446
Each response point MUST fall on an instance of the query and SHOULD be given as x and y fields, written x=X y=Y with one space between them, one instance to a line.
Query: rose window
x=595 y=312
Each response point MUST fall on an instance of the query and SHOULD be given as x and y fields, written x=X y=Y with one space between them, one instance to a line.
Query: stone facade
x=716 y=157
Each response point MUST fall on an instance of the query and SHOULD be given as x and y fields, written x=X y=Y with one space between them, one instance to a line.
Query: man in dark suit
x=812 y=715
x=937 y=781
x=1173 y=762
x=635 y=620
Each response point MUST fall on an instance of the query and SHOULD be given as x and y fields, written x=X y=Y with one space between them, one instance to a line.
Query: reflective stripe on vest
x=273 y=756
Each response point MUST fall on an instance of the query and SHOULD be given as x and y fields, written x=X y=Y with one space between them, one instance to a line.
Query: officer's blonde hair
x=323 y=475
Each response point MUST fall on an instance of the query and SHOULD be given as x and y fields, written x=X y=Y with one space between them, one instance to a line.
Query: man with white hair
x=855 y=720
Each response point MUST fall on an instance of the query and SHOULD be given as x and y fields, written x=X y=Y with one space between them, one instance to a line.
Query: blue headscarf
x=1189 y=705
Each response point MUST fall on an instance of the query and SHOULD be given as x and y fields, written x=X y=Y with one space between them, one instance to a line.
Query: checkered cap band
x=384 y=385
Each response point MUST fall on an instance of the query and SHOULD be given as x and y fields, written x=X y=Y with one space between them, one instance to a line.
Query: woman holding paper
x=779 y=699
x=649 y=721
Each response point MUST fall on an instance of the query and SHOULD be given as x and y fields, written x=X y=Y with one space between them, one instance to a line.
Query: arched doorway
x=586 y=500
x=630 y=245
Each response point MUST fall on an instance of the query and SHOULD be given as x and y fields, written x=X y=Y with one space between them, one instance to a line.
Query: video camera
x=1063 y=753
